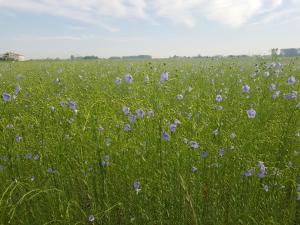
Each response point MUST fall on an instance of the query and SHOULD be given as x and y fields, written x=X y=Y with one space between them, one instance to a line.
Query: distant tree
x=274 y=54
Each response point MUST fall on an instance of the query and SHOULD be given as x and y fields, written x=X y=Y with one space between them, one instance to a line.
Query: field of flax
x=200 y=142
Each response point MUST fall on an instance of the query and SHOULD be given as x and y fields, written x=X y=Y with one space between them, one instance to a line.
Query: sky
x=161 y=28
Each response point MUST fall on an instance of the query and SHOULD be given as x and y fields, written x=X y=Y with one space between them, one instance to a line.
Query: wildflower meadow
x=211 y=141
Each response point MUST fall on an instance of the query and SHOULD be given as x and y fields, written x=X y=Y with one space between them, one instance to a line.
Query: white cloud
x=233 y=13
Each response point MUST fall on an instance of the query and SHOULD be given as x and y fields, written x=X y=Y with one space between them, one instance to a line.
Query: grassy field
x=201 y=142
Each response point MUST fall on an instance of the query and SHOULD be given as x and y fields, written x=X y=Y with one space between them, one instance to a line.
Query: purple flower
x=6 y=97
x=246 y=89
x=248 y=173
x=251 y=113
x=118 y=80
x=298 y=187
x=221 y=152
x=256 y=68
x=273 y=87
x=150 y=113
x=18 y=138
x=128 y=78
x=131 y=118
x=173 y=127
x=50 y=170
x=204 y=154
x=36 y=157
x=176 y=122
x=18 y=88
x=140 y=113
x=136 y=186
x=291 y=95
x=28 y=156
x=292 y=80
x=125 y=110
x=100 y=129
x=165 y=136
x=262 y=169
x=72 y=105
x=218 y=98
x=276 y=94
x=146 y=78
x=127 y=127
x=164 y=77
x=194 y=144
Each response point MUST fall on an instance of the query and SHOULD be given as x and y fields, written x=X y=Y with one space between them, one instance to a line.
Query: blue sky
x=161 y=28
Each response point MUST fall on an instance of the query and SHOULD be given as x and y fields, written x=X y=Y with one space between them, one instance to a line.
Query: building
x=12 y=56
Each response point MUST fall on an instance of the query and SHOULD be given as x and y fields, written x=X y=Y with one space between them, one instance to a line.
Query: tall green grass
x=67 y=183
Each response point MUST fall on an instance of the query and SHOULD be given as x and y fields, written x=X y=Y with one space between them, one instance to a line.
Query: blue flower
x=221 y=152
x=129 y=78
x=100 y=129
x=146 y=78
x=164 y=77
x=6 y=97
x=251 y=113
x=291 y=95
x=165 y=136
x=150 y=113
x=72 y=105
x=248 y=173
x=36 y=157
x=276 y=94
x=18 y=138
x=246 y=89
x=140 y=113
x=262 y=169
x=204 y=154
x=273 y=87
x=292 y=80
x=219 y=98
x=131 y=118
x=28 y=156
x=118 y=80
x=18 y=88
x=127 y=127
x=172 y=127
x=136 y=186
x=125 y=110
x=194 y=144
